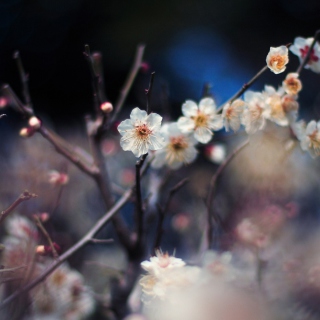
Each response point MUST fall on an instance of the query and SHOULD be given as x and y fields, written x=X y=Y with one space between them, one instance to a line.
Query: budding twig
x=149 y=91
x=129 y=81
x=212 y=186
x=307 y=57
x=47 y=236
x=26 y=195
x=164 y=210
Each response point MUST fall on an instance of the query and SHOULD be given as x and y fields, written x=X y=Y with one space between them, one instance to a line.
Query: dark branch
x=149 y=91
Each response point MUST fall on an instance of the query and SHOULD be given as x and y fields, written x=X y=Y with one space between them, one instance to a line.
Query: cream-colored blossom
x=309 y=137
x=277 y=59
x=141 y=132
x=200 y=119
x=179 y=148
x=292 y=84
x=232 y=113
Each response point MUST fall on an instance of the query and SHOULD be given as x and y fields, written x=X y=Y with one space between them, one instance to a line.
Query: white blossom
x=301 y=47
x=292 y=85
x=179 y=148
x=200 y=120
x=141 y=132
x=277 y=59
x=232 y=113
x=309 y=137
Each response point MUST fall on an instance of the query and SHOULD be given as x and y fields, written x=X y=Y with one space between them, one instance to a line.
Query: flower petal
x=207 y=106
x=190 y=108
x=125 y=126
x=203 y=134
x=185 y=124
x=137 y=114
x=154 y=121
x=156 y=142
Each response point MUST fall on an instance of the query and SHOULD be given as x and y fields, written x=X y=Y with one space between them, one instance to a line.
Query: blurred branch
x=149 y=91
x=307 y=57
x=212 y=186
x=164 y=210
x=47 y=236
x=12 y=269
x=129 y=81
x=101 y=241
x=26 y=195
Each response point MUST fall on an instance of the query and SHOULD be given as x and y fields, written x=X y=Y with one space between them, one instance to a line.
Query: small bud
x=216 y=153
x=47 y=250
x=58 y=178
x=26 y=132
x=40 y=250
x=3 y=102
x=145 y=67
x=44 y=216
x=106 y=107
x=34 y=123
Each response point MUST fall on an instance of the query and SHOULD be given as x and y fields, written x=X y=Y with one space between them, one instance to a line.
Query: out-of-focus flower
x=200 y=120
x=34 y=123
x=58 y=178
x=219 y=265
x=290 y=103
x=3 y=102
x=301 y=47
x=161 y=262
x=141 y=132
x=292 y=84
x=216 y=152
x=106 y=107
x=274 y=108
x=232 y=113
x=21 y=227
x=309 y=137
x=178 y=149
x=181 y=222
x=254 y=116
x=277 y=59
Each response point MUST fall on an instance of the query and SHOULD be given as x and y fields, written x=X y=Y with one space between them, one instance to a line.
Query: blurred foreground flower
x=232 y=113
x=58 y=178
x=216 y=152
x=200 y=120
x=141 y=132
x=292 y=84
x=277 y=59
x=178 y=150
x=309 y=137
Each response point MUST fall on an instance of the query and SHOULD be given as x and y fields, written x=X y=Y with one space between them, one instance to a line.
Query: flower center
x=200 y=120
x=178 y=143
x=277 y=61
x=276 y=107
x=313 y=57
x=256 y=112
x=143 y=131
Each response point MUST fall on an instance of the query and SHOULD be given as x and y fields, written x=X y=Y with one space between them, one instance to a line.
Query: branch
x=306 y=58
x=149 y=91
x=26 y=195
x=212 y=186
x=101 y=241
x=47 y=236
x=129 y=81
x=164 y=210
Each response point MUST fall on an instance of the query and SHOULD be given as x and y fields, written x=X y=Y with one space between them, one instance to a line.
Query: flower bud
x=34 y=123
x=106 y=107
x=26 y=132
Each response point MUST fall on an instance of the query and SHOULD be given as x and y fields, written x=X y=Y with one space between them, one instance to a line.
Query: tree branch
x=149 y=91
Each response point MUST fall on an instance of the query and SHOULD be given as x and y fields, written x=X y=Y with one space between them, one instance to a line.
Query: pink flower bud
x=26 y=132
x=34 y=123
x=106 y=107
x=58 y=178
x=3 y=102
x=145 y=67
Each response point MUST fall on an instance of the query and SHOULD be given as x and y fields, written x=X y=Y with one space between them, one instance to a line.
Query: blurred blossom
x=58 y=178
x=179 y=148
x=309 y=137
x=145 y=67
x=141 y=133
x=200 y=119
x=109 y=147
x=3 y=102
x=301 y=47
x=292 y=84
x=181 y=222
x=277 y=59
x=216 y=152
x=34 y=123
x=232 y=114
x=127 y=177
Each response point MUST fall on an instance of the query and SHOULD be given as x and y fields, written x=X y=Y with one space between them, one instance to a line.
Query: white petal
x=159 y=159
x=127 y=141
x=174 y=165
x=216 y=123
x=190 y=108
x=156 y=142
x=190 y=154
x=207 y=106
x=154 y=121
x=203 y=135
x=185 y=124
x=137 y=114
x=125 y=126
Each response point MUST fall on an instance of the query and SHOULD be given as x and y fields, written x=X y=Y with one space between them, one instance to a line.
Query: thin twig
x=139 y=206
x=212 y=186
x=149 y=91
x=47 y=236
x=26 y=195
x=24 y=80
x=12 y=269
x=102 y=241
x=206 y=90
x=129 y=81
x=164 y=210
x=15 y=101
x=307 y=57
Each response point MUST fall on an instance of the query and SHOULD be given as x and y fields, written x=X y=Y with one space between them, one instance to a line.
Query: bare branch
x=129 y=81
x=149 y=91
x=101 y=241
x=26 y=195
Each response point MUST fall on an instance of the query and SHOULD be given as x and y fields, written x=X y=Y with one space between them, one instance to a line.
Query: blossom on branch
x=141 y=132
x=200 y=120
x=179 y=148
x=301 y=47
x=292 y=84
x=277 y=59
x=232 y=113
x=309 y=137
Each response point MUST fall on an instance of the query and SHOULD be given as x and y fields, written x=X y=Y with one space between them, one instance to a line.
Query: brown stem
x=149 y=91
x=212 y=186
x=129 y=81
x=164 y=210
x=306 y=58
x=101 y=241
x=47 y=236
x=26 y=195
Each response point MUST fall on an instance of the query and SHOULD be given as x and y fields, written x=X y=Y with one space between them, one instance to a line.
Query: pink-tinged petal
x=185 y=124
x=125 y=126
x=311 y=127
x=203 y=135
x=137 y=114
x=190 y=108
x=207 y=106
x=154 y=121
x=156 y=142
